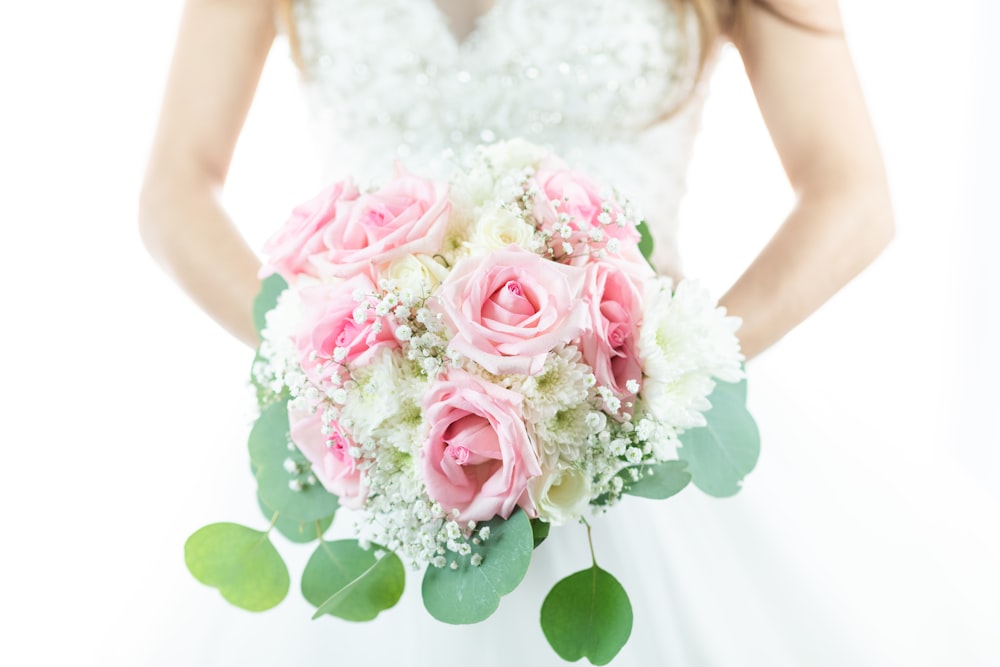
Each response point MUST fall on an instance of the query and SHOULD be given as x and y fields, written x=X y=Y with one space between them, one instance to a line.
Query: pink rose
x=289 y=250
x=329 y=455
x=478 y=456
x=406 y=216
x=329 y=323
x=511 y=308
x=614 y=313
x=564 y=192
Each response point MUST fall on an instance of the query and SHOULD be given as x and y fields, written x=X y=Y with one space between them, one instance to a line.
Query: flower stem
x=274 y=520
x=590 y=542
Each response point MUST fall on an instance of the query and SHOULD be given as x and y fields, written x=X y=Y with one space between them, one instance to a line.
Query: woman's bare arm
x=220 y=52
x=811 y=101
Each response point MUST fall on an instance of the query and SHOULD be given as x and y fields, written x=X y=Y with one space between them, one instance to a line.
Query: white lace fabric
x=609 y=86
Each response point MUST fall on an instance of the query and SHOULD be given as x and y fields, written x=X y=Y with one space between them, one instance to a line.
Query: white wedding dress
x=814 y=563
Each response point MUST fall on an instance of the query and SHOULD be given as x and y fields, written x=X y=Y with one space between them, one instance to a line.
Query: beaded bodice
x=607 y=84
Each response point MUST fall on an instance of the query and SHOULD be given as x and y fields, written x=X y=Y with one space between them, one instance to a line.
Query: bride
x=782 y=574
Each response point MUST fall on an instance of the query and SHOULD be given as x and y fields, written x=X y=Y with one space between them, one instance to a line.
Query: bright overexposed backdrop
x=124 y=407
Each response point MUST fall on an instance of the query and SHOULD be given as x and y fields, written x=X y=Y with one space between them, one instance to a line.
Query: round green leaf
x=471 y=593
x=587 y=614
x=721 y=453
x=269 y=448
x=270 y=289
x=343 y=579
x=658 y=481
x=240 y=562
x=300 y=532
x=268 y=441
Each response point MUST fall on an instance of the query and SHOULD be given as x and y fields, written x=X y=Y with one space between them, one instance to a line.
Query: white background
x=124 y=409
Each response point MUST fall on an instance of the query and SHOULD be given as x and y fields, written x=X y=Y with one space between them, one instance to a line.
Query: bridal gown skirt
x=826 y=557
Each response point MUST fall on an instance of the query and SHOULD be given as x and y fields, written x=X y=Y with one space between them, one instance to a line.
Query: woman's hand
x=220 y=52
x=812 y=104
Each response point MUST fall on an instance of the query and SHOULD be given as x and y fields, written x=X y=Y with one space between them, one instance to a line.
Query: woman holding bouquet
x=615 y=89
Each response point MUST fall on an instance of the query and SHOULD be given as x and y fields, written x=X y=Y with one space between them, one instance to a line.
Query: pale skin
x=804 y=82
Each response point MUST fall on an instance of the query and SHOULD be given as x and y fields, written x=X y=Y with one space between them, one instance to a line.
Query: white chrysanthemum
x=685 y=340
x=418 y=273
x=281 y=325
x=405 y=429
x=562 y=495
x=496 y=172
x=283 y=321
x=392 y=474
x=374 y=396
x=564 y=382
x=565 y=435
x=499 y=227
x=474 y=186
x=460 y=219
x=515 y=154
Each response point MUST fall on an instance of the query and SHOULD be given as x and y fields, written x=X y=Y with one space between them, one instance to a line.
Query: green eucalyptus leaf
x=658 y=481
x=539 y=531
x=268 y=439
x=587 y=614
x=289 y=493
x=270 y=289
x=345 y=580
x=725 y=450
x=240 y=562
x=300 y=532
x=645 y=240
x=471 y=593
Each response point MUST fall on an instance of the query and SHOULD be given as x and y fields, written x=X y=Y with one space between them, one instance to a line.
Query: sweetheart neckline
x=479 y=23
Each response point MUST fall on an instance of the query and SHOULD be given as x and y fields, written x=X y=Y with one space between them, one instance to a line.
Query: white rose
x=374 y=398
x=417 y=273
x=562 y=495
x=498 y=228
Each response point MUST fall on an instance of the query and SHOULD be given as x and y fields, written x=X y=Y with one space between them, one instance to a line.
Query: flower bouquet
x=465 y=365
